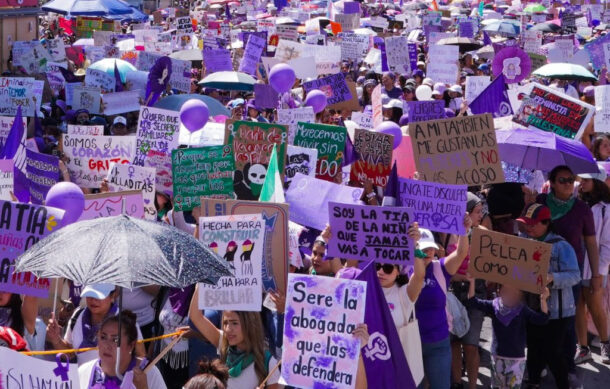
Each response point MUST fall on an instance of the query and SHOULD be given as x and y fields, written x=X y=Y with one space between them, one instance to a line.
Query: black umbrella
x=546 y=27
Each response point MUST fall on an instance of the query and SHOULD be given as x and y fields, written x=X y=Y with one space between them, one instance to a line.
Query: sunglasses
x=387 y=268
x=566 y=180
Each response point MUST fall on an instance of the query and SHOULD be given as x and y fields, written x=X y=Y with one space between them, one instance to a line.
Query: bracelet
x=370 y=195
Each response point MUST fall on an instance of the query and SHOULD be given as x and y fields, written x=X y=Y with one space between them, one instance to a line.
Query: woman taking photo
x=101 y=373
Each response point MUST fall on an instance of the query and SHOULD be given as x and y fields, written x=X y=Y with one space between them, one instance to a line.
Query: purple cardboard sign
x=22 y=226
x=371 y=233
x=217 y=60
x=309 y=197
x=333 y=86
x=437 y=207
x=245 y=36
x=412 y=48
x=43 y=172
x=265 y=96
x=596 y=51
x=466 y=29
x=351 y=7
x=420 y=111
x=252 y=54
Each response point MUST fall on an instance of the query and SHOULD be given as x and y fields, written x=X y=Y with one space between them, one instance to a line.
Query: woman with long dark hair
x=20 y=315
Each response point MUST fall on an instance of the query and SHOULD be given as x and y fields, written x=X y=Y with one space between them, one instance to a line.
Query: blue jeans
x=437 y=363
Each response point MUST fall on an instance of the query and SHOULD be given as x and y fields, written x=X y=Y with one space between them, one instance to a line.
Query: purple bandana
x=506 y=314
x=99 y=380
x=180 y=299
x=90 y=330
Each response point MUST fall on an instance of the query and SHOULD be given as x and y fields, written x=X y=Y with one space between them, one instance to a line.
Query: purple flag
x=42 y=173
x=493 y=99
x=486 y=39
x=351 y=155
x=227 y=11
x=384 y=359
x=391 y=195
x=38 y=133
x=117 y=77
x=14 y=149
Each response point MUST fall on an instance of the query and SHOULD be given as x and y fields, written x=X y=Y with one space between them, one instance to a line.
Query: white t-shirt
x=248 y=379
x=392 y=296
x=153 y=377
x=140 y=303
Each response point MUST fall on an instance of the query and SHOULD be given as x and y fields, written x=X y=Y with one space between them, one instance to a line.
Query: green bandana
x=238 y=360
x=559 y=207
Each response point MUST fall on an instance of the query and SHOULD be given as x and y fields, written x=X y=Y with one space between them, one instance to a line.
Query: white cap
x=393 y=103
x=427 y=240
x=98 y=291
x=601 y=175
x=120 y=120
x=456 y=89
x=428 y=81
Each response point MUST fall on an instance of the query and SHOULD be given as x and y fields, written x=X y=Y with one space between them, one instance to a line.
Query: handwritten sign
x=421 y=111
x=87 y=97
x=291 y=117
x=111 y=204
x=157 y=135
x=363 y=120
x=217 y=60
x=330 y=143
x=377 y=106
x=375 y=152
x=334 y=87
x=460 y=151
x=252 y=146
x=596 y=50
x=532 y=40
x=121 y=102
x=507 y=259
x=321 y=315
x=300 y=160
x=371 y=233
x=6 y=179
x=550 y=110
x=202 y=172
x=239 y=240
x=602 y=103
x=474 y=86
x=131 y=177
x=6 y=123
x=16 y=92
x=17 y=369
x=100 y=79
x=436 y=207
x=397 y=53
x=353 y=46
x=90 y=157
x=184 y=24
x=21 y=227
x=252 y=54
x=42 y=172
x=348 y=22
x=76 y=129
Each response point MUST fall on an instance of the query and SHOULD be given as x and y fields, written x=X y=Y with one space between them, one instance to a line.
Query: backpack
x=457 y=315
x=74 y=318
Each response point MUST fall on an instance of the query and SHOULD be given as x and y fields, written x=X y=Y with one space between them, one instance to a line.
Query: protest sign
x=330 y=143
x=202 y=172
x=137 y=81
x=252 y=54
x=532 y=40
x=466 y=29
x=131 y=177
x=291 y=117
x=371 y=233
x=377 y=106
x=348 y=22
x=507 y=259
x=23 y=225
x=14 y=92
x=319 y=346
x=77 y=129
x=21 y=371
x=309 y=197
x=375 y=152
x=42 y=172
x=55 y=77
x=252 y=146
x=436 y=36
x=157 y=134
x=212 y=134
x=121 y=102
x=300 y=160
x=363 y=120
x=265 y=96
x=217 y=60
x=287 y=31
x=334 y=87
x=537 y=61
x=602 y=103
x=596 y=51
x=437 y=207
x=474 y=86
x=239 y=240
x=87 y=97
x=443 y=68
x=460 y=151
x=111 y=204
x=90 y=157
x=550 y=110
x=184 y=24
x=100 y=79
x=350 y=105
x=420 y=111
x=353 y=46
x=6 y=123
x=397 y=53
x=275 y=250
x=6 y=179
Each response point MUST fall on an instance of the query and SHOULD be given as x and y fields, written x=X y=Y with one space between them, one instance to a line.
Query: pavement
x=594 y=374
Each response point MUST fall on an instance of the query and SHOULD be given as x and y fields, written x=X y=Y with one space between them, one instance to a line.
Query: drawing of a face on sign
x=511 y=68
x=328 y=90
x=251 y=183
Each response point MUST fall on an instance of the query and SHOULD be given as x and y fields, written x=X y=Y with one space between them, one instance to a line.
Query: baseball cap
x=428 y=81
x=119 y=120
x=97 y=291
x=535 y=213
x=601 y=175
x=427 y=239
x=456 y=89
x=436 y=93
x=393 y=103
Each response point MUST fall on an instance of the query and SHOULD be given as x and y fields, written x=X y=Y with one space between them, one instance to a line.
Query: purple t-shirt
x=430 y=307
x=574 y=225
x=394 y=93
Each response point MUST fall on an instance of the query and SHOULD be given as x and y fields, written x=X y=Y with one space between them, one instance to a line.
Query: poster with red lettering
x=18 y=3
x=21 y=226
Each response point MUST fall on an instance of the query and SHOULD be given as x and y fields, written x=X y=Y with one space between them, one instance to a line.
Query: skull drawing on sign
x=257 y=173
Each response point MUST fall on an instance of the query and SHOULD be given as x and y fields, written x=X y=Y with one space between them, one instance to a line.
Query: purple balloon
x=282 y=78
x=69 y=197
x=194 y=114
x=316 y=99
x=391 y=128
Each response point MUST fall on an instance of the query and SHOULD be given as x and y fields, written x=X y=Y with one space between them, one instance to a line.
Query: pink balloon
x=69 y=197
x=282 y=77
x=316 y=99
x=391 y=128
x=194 y=114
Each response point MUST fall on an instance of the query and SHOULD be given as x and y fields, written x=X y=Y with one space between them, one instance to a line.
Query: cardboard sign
x=353 y=46
x=550 y=110
x=6 y=123
x=217 y=60
x=474 y=86
x=397 y=53
x=363 y=120
x=507 y=259
x=90 y=157
x=202 y=172
x=6 y=179
x=532 y=40
x=111 y=204
x=100 y=79
x=121 y=102
x=157 y=135
x=421 y=111
x=375 y=152
x=131 y=177
x=350 y=105
x=22 y=226
x=87 y=97
x=43 y=172
x=252 y=146
x=436 y=207
x=334 y=87
x=460 y=151
x=76 y=129
x=377 y=106
x=602 y=103
x=18 y=92
x=265 y=96
x=321 y=315
x=252 y=54
x=300 y=160
x=17 y=369
x=371 y=233
x=239 y=240
x=291 y=117
x=330 y=143
x=275 y=251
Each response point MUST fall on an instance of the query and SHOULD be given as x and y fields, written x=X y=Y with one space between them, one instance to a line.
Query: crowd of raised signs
x=377 y=176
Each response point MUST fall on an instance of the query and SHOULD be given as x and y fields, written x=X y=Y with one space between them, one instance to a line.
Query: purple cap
x=348 y=273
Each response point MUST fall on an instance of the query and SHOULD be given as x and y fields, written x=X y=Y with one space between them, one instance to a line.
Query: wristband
x=370 y=195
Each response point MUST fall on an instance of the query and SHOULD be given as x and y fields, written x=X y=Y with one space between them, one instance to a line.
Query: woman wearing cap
x=594 y=191
x=545 y=343
x=430 y=306
x=254 y=114
x=367 y=90
x=392 y=110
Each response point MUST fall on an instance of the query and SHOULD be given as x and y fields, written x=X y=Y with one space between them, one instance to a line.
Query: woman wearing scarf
x=101 y=373
x=545 y=343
